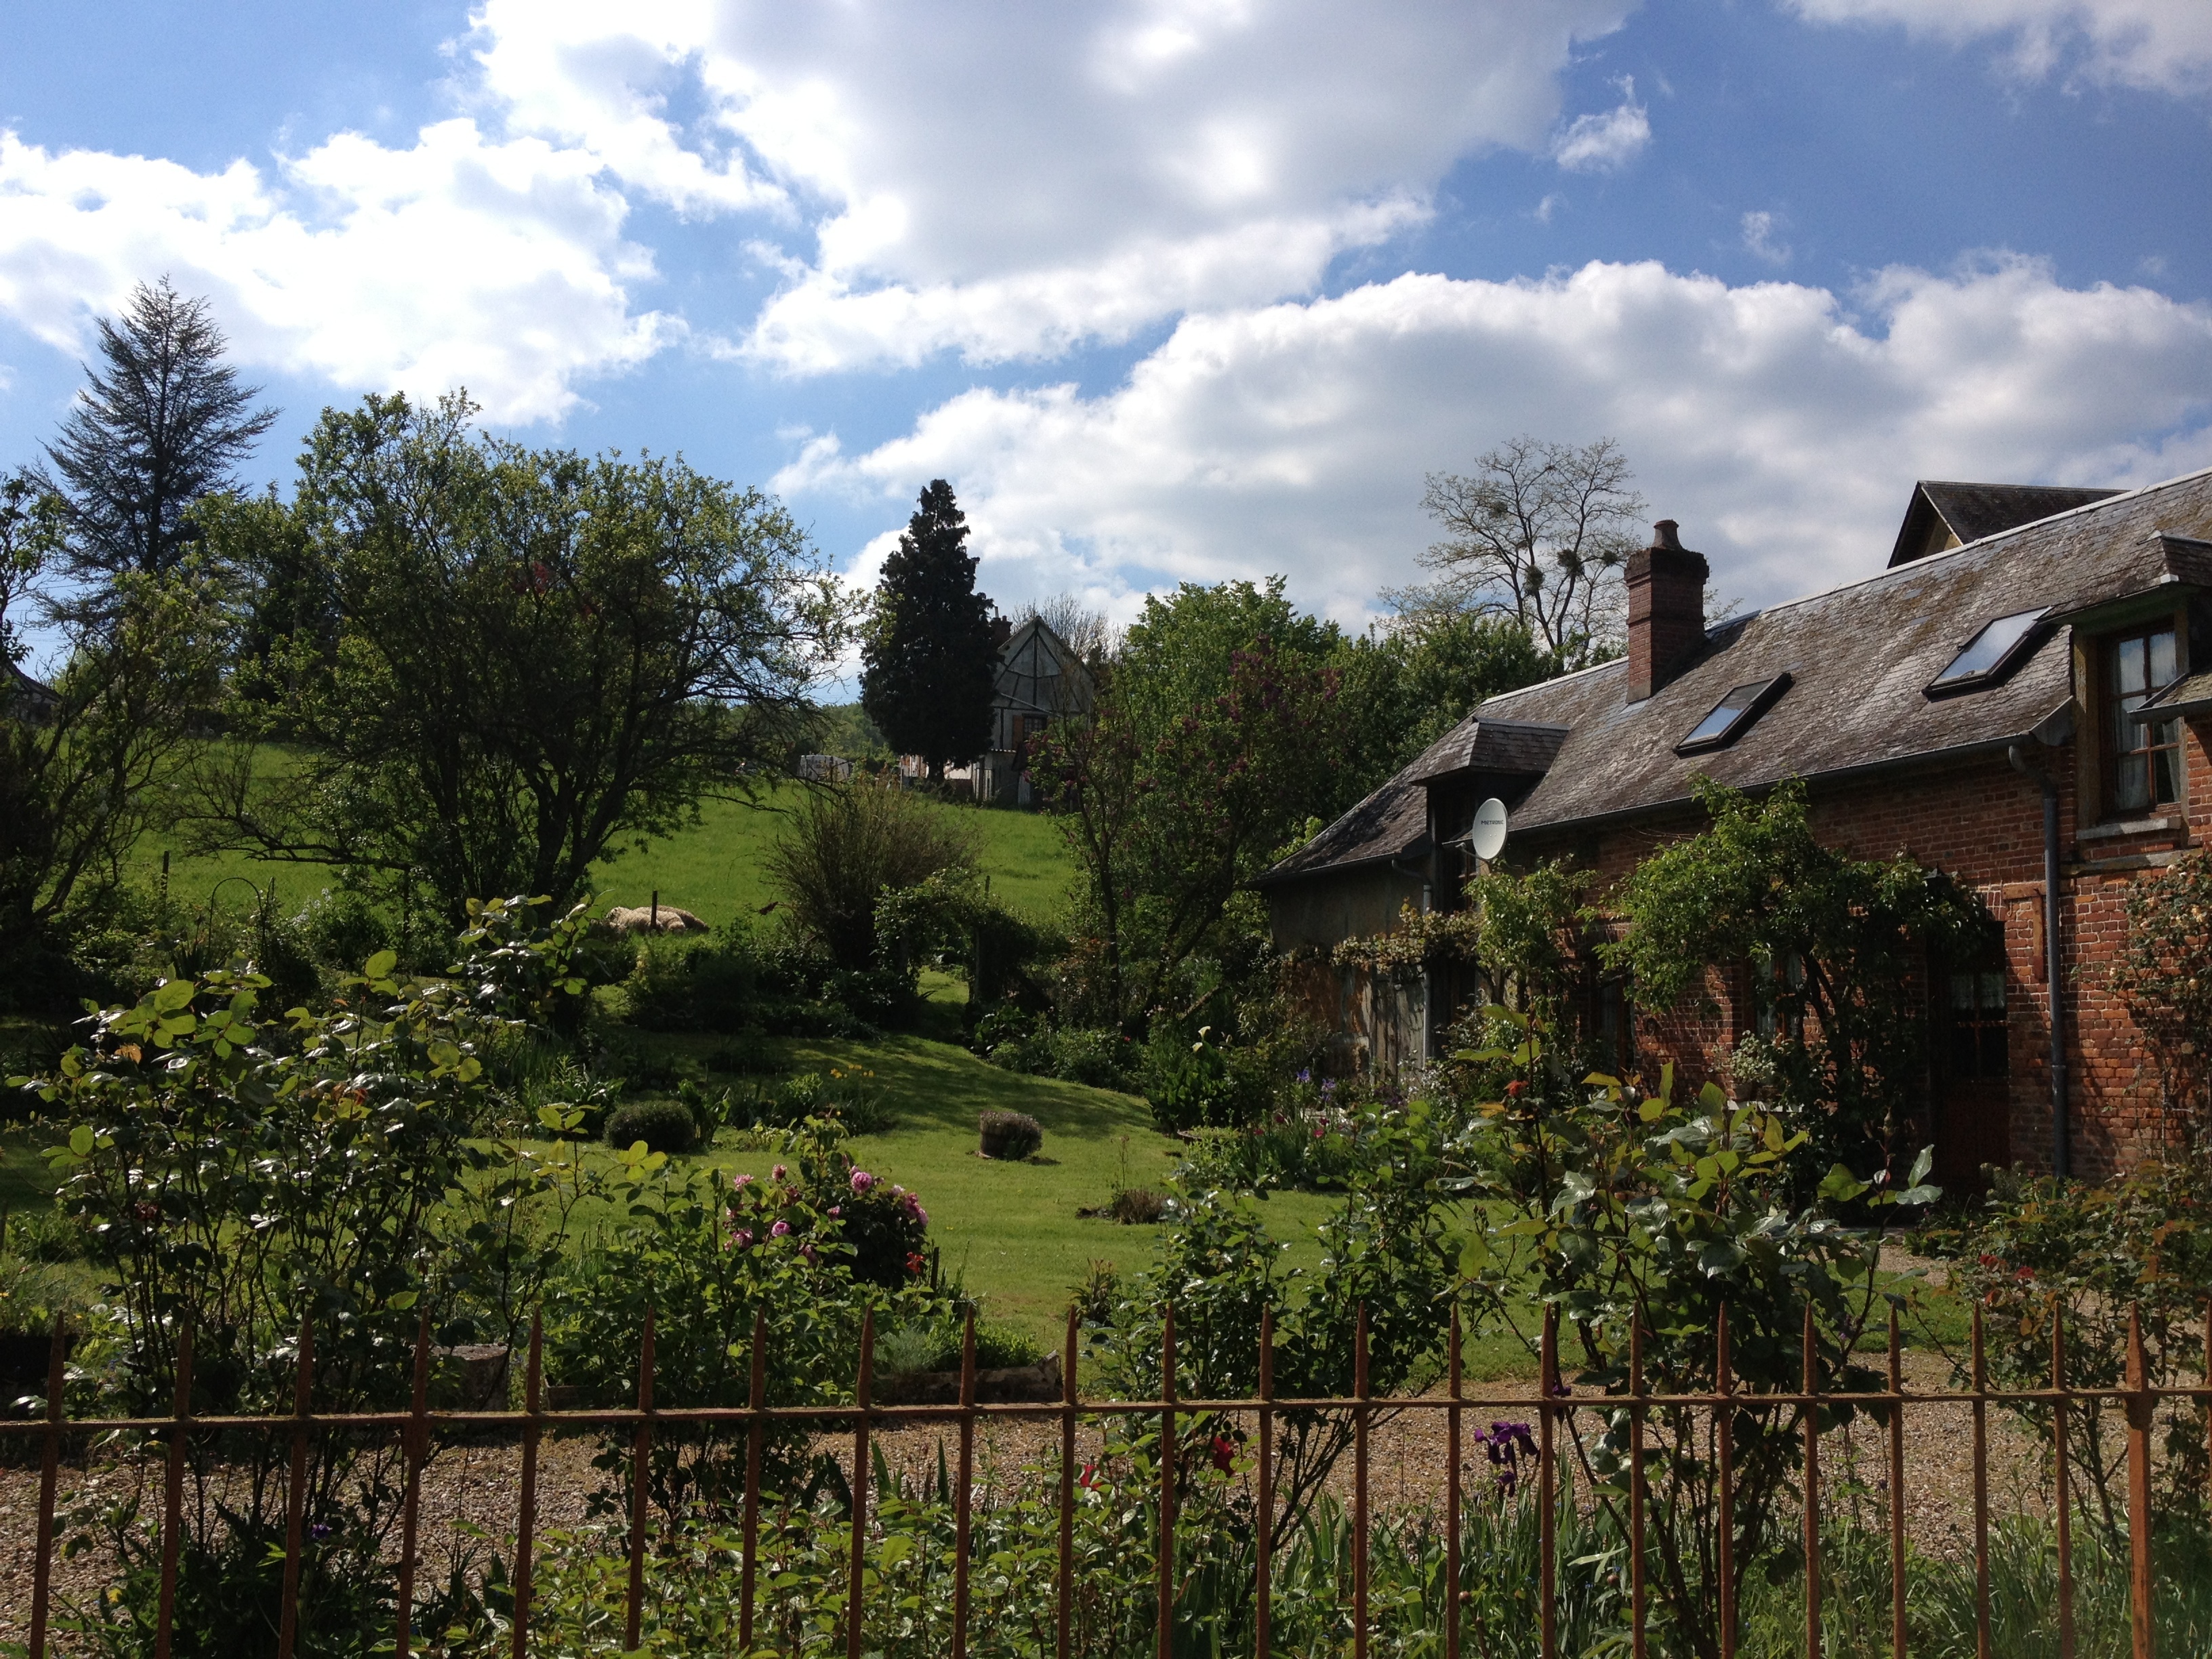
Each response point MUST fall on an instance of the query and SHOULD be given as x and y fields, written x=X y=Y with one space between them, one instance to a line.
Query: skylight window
x=1990 y=655
x=1732 y=716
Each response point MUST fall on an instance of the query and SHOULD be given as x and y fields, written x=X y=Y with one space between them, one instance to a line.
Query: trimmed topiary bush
x=665 y=1126
x=1011 y=1134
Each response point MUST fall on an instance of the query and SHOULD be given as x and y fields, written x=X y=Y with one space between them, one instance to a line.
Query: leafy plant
x=1632 y=1213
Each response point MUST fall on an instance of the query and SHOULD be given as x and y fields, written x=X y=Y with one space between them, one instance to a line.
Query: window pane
x=2128 y=666
x=2131 y=782
x=2162 y=663
x=2166 y=774
x=1993 y=993
x=1989 y=647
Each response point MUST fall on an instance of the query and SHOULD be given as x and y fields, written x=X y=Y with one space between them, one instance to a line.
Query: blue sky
x=1168 y=288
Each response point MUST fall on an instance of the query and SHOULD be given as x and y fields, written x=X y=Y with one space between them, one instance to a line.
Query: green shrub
x=1012 y=1135
x=1204 y=1084
x=665 y=1126
x=844 y=846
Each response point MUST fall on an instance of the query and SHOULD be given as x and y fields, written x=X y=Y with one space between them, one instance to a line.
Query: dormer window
x=1991 y=654
x=2144 y=767
x=1732 y=716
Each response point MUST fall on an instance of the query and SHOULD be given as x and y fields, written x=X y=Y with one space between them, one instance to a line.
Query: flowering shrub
x=2043 y=1249
x=1631 y=1212
x=808 y=1250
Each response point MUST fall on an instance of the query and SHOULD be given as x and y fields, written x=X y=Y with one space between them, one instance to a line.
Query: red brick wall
x=1981 y=821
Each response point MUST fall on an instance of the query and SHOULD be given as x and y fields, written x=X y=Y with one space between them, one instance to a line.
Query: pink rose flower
x=780 y=1229
x=862 y=1180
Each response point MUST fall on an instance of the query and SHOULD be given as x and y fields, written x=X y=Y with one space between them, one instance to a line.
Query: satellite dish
x=1487 y=838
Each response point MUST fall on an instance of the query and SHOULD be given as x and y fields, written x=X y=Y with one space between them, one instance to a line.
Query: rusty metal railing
x=1555 y=1409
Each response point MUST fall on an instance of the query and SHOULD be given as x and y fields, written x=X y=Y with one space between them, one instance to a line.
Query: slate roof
x=1860 y=658
x=1492 y=745
x=1973 y=511
x=1391 y=822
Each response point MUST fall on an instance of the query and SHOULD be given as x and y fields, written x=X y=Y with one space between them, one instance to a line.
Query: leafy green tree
x=1170 y=819
x=1839 y=948
x=164 y=422
x=539 y=656
x=89 y=757
x=844 y=846
x=930 y=662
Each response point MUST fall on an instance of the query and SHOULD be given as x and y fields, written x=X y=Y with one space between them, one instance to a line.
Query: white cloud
x=1759 y=228
x=458 y=261
x=2163 y=46
x=1782 y=428
x=1004 y=181
x=1601 y=142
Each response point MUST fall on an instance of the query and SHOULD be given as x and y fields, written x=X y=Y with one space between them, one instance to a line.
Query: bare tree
x=1538 y=533
x=1087 y=632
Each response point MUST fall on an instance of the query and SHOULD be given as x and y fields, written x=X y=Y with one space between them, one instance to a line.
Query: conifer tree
x=930 y=662
x=163 y=421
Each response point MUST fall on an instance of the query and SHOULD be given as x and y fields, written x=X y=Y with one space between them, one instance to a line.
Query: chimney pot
x=1665 y=610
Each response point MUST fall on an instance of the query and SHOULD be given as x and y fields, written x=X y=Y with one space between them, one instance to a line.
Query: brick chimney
x=1665 y=609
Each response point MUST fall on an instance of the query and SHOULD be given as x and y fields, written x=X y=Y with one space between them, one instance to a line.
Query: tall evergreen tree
x=930 y=662
x=163 y=422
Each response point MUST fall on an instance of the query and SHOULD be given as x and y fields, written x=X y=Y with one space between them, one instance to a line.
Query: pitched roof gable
x=1943 y=514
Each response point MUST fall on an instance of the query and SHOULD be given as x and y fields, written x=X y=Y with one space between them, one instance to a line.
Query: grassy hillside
x=713 y=869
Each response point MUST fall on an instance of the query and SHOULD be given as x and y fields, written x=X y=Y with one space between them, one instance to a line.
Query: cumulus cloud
x=2163 y=46
x=460 y=260
x=1759 y=238
x=1004 y=182
x=1602 y=141
x=1781 y=424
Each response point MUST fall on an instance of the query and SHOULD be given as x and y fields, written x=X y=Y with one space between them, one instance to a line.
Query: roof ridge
x=1925 y=560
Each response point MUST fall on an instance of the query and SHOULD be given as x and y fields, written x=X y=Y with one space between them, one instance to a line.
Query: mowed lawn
x=717 y=869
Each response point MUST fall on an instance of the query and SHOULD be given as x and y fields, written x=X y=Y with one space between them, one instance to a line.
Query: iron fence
x=1555 y=1409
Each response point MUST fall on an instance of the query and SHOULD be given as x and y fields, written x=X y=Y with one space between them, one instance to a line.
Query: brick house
x=2022 y=699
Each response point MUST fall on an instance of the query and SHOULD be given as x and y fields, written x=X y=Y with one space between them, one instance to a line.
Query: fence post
x=641 y=1459
x=960 y=1502
x=1360 y=1486
x=2140 y=1405
x=755 y=1441
x=855 y=1609
x=1811 y=1487
x=1064 y=1625
x=50 y=1456
x=1263 y=1518
x=1548 y=1576
x=415 y=1442
x=1636 y=1409
x=2063 y=1481
x=526 y=1531
x=1452 y=1414
x=172 y=1497
x=296 y=1493
x=1981 y=1421
x=1165 y=1634
x=1897 y=1631
x=1724 y=1444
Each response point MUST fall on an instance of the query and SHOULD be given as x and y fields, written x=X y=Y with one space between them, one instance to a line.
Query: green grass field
x=715 y=869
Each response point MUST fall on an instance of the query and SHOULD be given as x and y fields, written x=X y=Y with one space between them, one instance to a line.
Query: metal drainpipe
x=2059 y=1160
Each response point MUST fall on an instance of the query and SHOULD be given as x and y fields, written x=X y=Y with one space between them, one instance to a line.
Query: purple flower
x=837 y=1210
x=862 y=1180
x=742 y=1181
x=776 y=1174
x=743 y=1238
x=779 y=1230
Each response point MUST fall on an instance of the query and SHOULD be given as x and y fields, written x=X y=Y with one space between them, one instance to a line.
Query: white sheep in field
x=642 y=919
